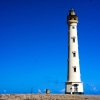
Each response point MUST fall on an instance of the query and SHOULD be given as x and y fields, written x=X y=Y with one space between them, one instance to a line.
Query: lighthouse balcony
x=72 y=21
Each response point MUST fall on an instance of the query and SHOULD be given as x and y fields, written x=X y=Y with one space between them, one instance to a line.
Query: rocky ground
x=47 y=97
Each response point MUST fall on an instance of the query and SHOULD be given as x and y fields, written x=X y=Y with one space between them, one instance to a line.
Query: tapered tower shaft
x=73 y=83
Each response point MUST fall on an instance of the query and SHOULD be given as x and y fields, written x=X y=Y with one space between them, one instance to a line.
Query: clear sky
x=33 y=45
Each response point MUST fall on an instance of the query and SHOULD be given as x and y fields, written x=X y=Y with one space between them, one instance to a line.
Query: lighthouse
x=73 y=84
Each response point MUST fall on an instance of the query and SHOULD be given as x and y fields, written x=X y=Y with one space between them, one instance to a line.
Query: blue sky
x=33 y=45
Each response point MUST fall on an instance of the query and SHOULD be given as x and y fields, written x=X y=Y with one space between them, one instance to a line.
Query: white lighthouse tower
x=73 y=84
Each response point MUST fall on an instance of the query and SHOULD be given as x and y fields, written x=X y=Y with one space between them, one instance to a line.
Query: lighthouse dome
x=72 y=11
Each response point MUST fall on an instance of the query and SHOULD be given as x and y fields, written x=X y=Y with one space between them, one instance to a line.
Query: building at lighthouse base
x=74 y=88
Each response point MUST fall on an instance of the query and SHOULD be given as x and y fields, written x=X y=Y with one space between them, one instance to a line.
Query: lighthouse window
x=74 y=54
x=73 y=39
x=74 y=69
x=73 y=27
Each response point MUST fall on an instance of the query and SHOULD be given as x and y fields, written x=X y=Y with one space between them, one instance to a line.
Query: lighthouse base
x=74 y=88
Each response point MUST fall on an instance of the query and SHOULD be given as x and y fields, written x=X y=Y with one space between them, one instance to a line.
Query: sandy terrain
x=47 y=97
